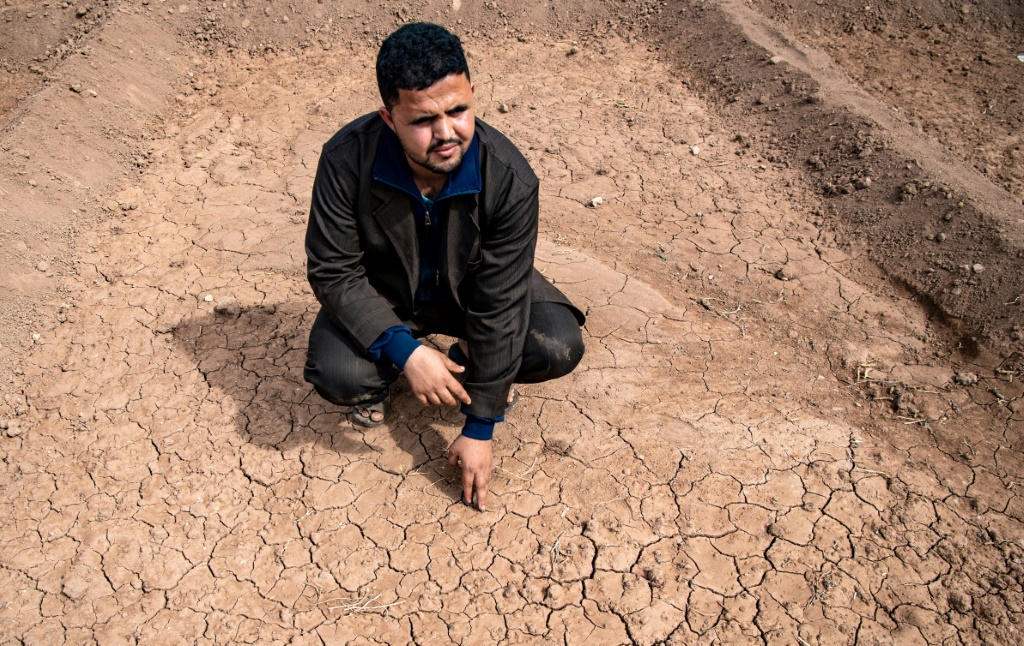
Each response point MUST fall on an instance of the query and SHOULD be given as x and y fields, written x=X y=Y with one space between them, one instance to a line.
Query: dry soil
x=776 y=436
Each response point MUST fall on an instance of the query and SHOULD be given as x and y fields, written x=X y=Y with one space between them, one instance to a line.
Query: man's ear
x=386 y=116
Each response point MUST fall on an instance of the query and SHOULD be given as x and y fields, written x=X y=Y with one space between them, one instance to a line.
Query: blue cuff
x=480 y=428
x=395 y=344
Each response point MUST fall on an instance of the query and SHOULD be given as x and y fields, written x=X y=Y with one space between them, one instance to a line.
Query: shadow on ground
x=255 y=355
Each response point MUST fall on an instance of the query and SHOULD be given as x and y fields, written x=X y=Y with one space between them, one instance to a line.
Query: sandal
x=367 y=421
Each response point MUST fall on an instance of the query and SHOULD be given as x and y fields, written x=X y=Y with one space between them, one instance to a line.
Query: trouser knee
x=339 y=371
x=560 y=354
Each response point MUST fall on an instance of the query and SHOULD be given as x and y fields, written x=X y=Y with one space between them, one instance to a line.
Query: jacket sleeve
x=498 y=310
x=334 y=256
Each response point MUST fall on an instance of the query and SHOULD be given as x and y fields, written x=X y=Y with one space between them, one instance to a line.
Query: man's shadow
x=255 y=356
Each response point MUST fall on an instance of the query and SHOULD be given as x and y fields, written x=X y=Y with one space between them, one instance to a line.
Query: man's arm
x=334 y=256
x=498 y=307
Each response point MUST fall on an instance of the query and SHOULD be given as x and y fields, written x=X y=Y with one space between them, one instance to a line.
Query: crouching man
x=424 y=221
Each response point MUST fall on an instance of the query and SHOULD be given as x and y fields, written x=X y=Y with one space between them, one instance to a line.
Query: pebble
x=32 y=182
x=228 y=307
x=20 y=246
x=597 y=201
x=76 y=88
x=93 y=93
x=208 y=298
x=940 y=237
x=43 y=265
x=785 y=273
x=503 y=108
x=966 y=378
x=75 y=588
x=694 y=150
x=977 y=267
x=862 y=183
x=775 y=60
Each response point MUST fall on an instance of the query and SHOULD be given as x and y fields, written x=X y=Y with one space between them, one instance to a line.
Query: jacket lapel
x=395 y=217
x=463 y=237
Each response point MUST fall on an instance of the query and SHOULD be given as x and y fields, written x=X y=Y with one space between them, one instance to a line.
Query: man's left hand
x=477 y=465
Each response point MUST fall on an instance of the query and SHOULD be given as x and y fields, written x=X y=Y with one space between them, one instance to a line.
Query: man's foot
x=370 y=415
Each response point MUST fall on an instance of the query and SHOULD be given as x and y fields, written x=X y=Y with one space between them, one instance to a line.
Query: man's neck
x=428 y=183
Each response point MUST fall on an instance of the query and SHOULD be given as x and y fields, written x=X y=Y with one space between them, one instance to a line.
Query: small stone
x=20 y=246
x=960 y=602
x=597 y=201
x=12 y=428
x=43 y=265
x=80 y=13
x=940 y=237
x=786 y=272
x=503 y=108
x=655 y=577
x=572 y=50
x=977 y=267
x=694 y=150
x=862 y=183
x=966 y=378
x=76 y=88
x=32 y=182
x=208 y=298
x=775 y=60
x=284 y=19
x=75 y=588
x=228 y=307
x=93 y=93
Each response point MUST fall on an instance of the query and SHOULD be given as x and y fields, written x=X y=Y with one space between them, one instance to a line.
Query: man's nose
x=443 y=129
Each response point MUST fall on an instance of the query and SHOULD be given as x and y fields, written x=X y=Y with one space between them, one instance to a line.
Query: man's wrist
x=478 y=428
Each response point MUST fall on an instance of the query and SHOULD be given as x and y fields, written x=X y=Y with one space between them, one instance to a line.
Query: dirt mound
x=767 y=441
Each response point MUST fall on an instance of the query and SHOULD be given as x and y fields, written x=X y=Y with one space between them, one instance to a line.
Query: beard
x=443 y=166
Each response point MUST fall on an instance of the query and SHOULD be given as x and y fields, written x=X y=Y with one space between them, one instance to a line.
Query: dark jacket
x=364 y=259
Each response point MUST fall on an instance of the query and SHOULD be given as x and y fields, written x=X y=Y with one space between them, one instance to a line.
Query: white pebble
x=208 y=298
x=597 y=201
x=694 y=150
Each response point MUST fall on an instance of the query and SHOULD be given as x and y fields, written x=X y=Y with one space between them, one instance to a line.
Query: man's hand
x=477 y=464
x=430 y=375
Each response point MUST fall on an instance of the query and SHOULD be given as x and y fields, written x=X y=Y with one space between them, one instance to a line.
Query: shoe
x=509 y=407
x=383 y=406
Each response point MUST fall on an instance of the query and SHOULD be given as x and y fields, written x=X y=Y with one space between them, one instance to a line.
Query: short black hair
x=415 y=56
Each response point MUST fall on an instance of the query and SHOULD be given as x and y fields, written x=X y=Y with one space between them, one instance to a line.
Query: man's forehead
x=454 y=87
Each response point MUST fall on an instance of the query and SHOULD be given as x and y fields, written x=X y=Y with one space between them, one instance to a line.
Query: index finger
x=480 y=486
x=456 y=389
x=467 y=485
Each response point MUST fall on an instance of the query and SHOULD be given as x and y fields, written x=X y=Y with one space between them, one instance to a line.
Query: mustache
x=434 y=145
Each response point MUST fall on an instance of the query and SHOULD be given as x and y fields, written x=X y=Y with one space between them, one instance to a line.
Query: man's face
x=435 y=125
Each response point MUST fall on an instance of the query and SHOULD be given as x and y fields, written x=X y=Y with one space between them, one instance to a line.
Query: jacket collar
x=391 y=168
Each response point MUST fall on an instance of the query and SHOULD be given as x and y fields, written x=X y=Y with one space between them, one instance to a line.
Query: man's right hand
x=430 y=375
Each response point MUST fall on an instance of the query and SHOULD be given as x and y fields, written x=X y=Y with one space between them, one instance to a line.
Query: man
x=424 y=221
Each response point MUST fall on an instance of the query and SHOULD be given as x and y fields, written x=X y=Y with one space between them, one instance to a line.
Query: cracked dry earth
x=765 y=443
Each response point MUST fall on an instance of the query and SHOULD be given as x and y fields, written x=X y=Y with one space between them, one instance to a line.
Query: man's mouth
x=445 y=148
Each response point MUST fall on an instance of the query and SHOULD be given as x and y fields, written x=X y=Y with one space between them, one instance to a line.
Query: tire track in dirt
x=725 y=465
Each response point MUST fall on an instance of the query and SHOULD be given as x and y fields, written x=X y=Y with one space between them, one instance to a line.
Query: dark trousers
x=342 y=373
